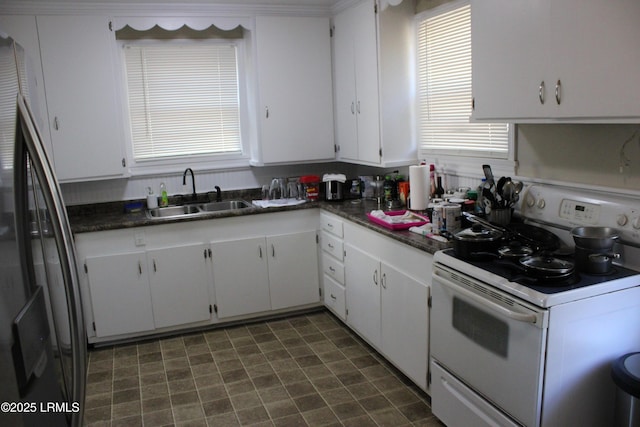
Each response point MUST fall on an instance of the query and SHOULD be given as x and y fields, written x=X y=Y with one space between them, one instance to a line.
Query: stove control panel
x=569 y=207
x=580 y=212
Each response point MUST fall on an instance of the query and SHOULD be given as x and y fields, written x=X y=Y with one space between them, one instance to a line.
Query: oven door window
x=487 y=331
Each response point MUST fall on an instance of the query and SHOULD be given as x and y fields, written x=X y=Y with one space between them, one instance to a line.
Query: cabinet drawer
x=334 y=297
x=333 y=268
x=333 y=245
x=331 y=225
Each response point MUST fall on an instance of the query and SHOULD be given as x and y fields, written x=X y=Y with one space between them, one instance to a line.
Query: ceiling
x=322 y=3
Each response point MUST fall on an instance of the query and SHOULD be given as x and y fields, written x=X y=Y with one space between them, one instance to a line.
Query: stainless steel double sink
x=191 y=210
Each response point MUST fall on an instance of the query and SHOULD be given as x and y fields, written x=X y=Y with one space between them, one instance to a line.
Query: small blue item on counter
x=133 y=207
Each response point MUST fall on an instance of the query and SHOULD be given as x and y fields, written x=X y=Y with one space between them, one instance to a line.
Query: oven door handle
x=520 y=317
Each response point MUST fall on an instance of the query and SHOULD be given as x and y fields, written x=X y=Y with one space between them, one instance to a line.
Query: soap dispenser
x=164 y=199
x=152 y=200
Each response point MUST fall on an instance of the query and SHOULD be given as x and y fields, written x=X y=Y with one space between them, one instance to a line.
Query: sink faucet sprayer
x=193 y=182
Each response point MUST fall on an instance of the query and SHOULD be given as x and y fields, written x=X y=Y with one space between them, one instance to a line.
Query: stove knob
x=531 y=201
x=541 y=204
x=622 y=220
x=636 y=223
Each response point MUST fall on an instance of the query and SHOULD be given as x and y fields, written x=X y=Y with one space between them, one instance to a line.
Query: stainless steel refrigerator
x=43 y=351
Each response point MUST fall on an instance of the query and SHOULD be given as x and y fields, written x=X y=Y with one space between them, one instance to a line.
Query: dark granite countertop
x=112 y=216
x=356 y=211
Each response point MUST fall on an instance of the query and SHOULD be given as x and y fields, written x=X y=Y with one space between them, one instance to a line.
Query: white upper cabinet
x=556 y=60
x=356 y=87
x=373 y=82
x=295 y=106
x=82 y=97
x=22 y=28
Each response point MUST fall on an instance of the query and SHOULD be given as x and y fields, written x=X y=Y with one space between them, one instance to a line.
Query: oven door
x=491 y=342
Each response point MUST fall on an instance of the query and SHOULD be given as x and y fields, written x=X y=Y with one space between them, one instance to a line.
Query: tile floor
x=304 y=370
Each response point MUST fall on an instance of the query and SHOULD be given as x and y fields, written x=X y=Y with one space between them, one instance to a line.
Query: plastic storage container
x=625 y=372
x=311 y=186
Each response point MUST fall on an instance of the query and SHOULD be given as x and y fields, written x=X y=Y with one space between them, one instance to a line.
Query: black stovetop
x=510 y=270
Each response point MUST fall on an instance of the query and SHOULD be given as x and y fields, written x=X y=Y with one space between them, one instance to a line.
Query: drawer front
x=334 y=297
x=333 y=268
x=333 y=245
x=331 y=225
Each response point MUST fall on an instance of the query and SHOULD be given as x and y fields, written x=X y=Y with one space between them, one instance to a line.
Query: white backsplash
x=136 y=187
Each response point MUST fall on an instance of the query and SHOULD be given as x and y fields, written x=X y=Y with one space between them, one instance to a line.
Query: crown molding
x=143 y=8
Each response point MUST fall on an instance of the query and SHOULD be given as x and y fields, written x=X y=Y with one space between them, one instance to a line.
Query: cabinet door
x=23 y=29
x=293 y=269
x=345 y=85
x=595 y=55
x=80 y=84
x=179 y=284
x=363 y=277
x=367 y=90
x=240 y=276
x=405 y=323
x=510 y=41
x=294 y=67
x=120 y=295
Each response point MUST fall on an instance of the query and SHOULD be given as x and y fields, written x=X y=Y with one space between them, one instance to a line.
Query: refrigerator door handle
x=66 y=249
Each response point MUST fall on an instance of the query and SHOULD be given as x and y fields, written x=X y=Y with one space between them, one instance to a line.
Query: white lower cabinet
x=179 y=279
x=139 y=281
x=146 y=290
x=293 y=269
x=240 y=276
x=333 y=264
x=265 y=273
x=404 y=322
x=363 y=276
x=120 y=293
x=335 y=297
x=387 y=295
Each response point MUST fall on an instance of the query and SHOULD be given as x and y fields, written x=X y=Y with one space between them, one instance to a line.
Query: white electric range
x=509 y=350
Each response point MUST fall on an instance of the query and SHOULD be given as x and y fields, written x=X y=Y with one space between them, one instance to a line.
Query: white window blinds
x=444 y=90
x=183 y=99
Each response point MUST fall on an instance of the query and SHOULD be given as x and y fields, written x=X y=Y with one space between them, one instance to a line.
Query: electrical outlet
x=139 y=239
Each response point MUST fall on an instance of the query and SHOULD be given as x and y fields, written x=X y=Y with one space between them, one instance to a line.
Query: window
x=183 y=99
x=444 y=89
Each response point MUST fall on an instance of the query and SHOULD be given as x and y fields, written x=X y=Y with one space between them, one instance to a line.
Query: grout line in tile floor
x=306 y=370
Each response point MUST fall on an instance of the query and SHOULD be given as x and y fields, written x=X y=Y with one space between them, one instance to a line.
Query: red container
x=311 y=185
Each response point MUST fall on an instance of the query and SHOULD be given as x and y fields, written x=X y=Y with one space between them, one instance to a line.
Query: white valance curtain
x=172 y=23
x=385 y=3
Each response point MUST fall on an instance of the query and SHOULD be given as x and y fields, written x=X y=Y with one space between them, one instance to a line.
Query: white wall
x=582 y=154
x=236 y=179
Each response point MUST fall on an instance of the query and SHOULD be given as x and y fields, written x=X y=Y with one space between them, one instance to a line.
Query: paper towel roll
x=419 y=187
